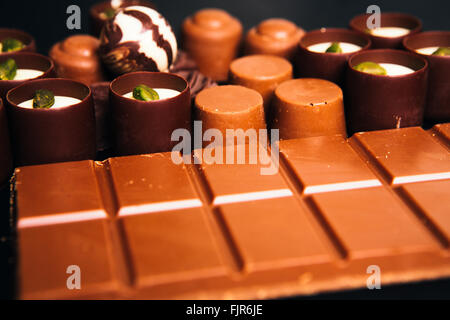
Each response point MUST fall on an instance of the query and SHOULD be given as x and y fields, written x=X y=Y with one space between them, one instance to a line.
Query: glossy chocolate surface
x=147 y=126
x=6 y=163
x=375 y=102
x=77 y=58
x=274 y=36
x=142 y=227
x=308 y=107
x=438 y=98
x=388 y=19
x=26 y=60
x=52 y=135
x=328 y=66
x=212 y=38
x=27 y=39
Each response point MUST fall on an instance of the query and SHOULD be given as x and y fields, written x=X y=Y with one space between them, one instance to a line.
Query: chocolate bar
x=144 y=227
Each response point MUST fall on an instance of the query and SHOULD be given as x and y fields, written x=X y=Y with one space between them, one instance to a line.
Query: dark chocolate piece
x=5 y=151
x=25 y=38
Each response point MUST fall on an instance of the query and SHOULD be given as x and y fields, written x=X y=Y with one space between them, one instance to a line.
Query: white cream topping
x=132 y=31
x=345 y=46
x=390 y=32
x=427 y=50
x=393 y=69
x=60 y=102
x=25 y=74
x=162 y=92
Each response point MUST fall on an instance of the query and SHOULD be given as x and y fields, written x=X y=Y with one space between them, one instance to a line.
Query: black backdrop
x=46 y=19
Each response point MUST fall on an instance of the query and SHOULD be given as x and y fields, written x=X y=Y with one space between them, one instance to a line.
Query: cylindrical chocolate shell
x=52 y=135
x=27 y=39
x=6 y=163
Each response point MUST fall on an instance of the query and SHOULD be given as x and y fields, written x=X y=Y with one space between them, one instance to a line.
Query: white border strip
x=250 y=196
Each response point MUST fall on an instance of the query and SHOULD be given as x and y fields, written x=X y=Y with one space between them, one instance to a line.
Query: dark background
x=46 y=21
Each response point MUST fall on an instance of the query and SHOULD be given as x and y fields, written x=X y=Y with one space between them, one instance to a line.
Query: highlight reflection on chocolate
x=376 y=102
x=398 y=26
x=274 y=36
x=25 y=38
x=147 y=126
x=437 y=107
x=51 y=135
x=27 y=61
x=308 y=107
x=324 y=65
x=5 y=152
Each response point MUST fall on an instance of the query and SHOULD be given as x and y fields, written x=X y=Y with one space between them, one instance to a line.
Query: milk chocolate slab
x=432 y=199
x=46 y=253
x=337 y=168
x=407 y=155
x=151 y=183
x=274 y=234
x=238 y=182
x=372 y=223
x=171 y=247
x=63 y=193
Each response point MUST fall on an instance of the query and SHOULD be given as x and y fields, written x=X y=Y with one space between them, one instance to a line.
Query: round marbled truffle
x=138 y=39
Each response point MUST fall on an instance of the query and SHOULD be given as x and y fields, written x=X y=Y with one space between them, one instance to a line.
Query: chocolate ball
x=138 y=38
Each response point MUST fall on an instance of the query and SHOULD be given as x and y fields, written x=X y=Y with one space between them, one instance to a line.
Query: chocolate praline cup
x=277 y=37
x=328 y=66
x=437 y=107
x=95 y=13
x=388 y=19
x=147 y=126
x=212 y=38
x=377 y=102
x=27 y=39
x=262 y=73
x=229 y=107
x=51 y=135
x=6 y=164
x=307 y=108
x=26 y=60
x=77 y=58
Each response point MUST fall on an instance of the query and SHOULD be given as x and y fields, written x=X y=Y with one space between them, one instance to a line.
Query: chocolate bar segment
x=63 y=193
x=339 y=168
x=443 y=131
x=407 y=155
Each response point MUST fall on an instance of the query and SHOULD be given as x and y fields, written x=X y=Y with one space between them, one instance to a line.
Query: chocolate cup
x=147 y=126
x=97 y=23
x=437 y=107
x=388 y=19
x=27 y=39
x=26 y=60
x=6 y=164
x=52 y=135
x=328 y=66
x=377 y=102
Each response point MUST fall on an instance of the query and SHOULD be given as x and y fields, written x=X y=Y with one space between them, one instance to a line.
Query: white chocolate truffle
x=390 y=32
x=345 y=46
x=163 y=93
x=60 y=102
x=25 y=74
x=393 y=69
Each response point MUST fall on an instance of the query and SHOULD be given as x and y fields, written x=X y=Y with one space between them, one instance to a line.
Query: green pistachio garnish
x=144 y=93
x=8 y=70
x=109 y=13
x=371 y=67
x=43 y=99
x=334 y=48
x=10 y=44
x=442 y=51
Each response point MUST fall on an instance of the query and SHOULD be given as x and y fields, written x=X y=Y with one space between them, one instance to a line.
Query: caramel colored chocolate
x=437 y=107
x=230 y=107
x=76 y=58
x=387 y=19
x=278 y=37
x=262 y=73
x=443 y=131
x=162 y=233
x=52 y=135
x=308 y=107
x=212 y=37
x=5 y=149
